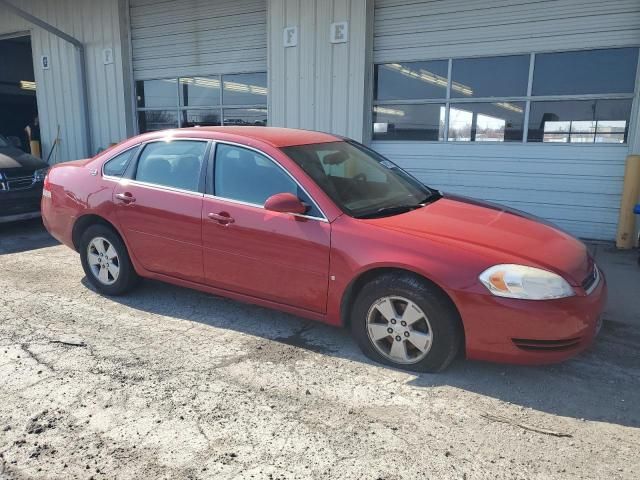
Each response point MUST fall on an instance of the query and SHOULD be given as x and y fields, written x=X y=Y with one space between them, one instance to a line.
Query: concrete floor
x=623 y=275
x=172 y=383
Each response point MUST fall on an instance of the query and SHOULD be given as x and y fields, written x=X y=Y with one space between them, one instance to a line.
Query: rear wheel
x=106 y=262
x=403 y=321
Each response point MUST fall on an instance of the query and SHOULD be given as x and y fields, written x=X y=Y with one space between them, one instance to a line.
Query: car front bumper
x=529 y=331
x=20 y=204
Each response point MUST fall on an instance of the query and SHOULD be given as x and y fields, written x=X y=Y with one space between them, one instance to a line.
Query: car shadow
x=601 y=384
x=22 y=236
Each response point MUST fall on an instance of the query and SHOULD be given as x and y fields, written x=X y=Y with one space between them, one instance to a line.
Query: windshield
x=361 y=182
x=4 y=142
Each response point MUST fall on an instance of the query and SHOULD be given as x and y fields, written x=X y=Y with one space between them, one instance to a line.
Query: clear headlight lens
x=38 y=175
x=528 y=283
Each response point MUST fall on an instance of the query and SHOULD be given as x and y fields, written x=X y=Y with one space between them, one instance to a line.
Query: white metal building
x=529 y=103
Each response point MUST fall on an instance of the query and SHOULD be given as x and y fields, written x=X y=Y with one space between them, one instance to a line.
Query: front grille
x=19 y=183
x=591 y=280
x=10 y=182
x=546 y=345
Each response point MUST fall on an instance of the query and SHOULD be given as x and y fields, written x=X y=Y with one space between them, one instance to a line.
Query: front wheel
x=106 y=262
x=403 y=321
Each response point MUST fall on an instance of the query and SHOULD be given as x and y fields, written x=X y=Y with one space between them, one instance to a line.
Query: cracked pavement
x=173 y=383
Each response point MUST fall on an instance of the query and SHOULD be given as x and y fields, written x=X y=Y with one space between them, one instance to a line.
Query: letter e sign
x=339 y=32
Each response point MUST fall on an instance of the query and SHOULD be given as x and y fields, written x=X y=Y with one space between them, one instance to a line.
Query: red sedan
x=325 y=228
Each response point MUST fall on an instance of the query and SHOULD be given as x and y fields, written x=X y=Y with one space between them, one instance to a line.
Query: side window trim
x=210 y=191
x=134 y=158
x=130 y=174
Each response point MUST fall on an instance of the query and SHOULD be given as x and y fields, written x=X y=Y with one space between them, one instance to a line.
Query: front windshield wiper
x=398 y=209
x=387 y=211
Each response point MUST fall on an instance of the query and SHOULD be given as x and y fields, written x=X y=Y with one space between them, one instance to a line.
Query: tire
x=431 y=322
x=120 y=276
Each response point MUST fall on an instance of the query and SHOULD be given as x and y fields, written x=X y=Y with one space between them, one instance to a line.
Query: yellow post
x=34 y=145
x=630 y=195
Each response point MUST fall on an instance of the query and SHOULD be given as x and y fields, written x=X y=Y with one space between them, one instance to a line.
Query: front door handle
x=126 y=197
x=223 y=218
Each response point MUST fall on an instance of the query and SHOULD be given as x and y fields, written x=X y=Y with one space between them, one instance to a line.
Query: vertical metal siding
x=319 y=85
x=578 y=187
x=95 y=24
x=197 y=37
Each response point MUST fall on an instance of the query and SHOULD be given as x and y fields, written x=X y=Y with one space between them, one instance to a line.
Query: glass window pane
x=245 y=116
x=245 y=89
x=201 y=118
x=411 y=81
x=176 y=164
x=153 y=120
x=586 y=72
x=157 y=93
x=486 y=122
x=118 y=164
x=409 y=122
x=200 y=91
x=247 y=176
x=490 y=77
x=578 y=120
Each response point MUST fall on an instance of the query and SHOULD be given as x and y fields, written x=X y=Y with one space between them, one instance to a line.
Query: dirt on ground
x=169 y=383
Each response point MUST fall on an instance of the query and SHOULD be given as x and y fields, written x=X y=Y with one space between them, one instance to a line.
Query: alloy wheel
x=103 y=260
x=399 y=329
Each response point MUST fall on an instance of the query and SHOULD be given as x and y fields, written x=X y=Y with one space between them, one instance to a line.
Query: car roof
x=275 y=136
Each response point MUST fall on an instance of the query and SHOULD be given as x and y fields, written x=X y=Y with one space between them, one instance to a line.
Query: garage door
x=527 y=104
x=199 y=62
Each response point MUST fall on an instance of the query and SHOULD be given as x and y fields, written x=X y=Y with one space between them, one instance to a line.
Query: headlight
x=38 y=175
x=528 y=283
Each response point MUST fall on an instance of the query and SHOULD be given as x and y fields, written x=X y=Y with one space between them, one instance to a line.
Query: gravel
x=171 y=383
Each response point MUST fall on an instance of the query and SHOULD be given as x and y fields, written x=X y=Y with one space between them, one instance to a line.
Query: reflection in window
x=245 y=89
x=245 y=116
x=200 y=91
x=414 y=80
x=152 y=120
x=580 y=121
x=490 y=77
x=585 y=72
x=409 y=122
x=201 y=118
x=156 y=93
x=486 y=122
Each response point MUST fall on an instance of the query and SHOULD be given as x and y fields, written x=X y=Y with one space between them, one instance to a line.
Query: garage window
x=237 y=99
x=560 y=97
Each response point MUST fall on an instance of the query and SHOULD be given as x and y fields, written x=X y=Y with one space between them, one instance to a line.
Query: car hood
x=11 y=157
x=498 y=228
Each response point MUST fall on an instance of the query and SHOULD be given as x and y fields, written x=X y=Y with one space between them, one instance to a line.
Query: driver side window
x=247 y=176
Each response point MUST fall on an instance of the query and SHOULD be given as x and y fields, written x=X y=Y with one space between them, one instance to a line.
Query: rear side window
x=176 y=164
x=247 y=176
x=118 y=164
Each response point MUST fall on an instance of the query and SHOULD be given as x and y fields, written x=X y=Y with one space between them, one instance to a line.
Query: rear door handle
x=223 y=218
x=125 y=197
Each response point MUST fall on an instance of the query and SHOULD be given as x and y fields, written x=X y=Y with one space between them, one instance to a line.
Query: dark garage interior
x=18 y=106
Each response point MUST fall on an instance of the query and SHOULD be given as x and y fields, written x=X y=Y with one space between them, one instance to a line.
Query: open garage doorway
x=18 y=105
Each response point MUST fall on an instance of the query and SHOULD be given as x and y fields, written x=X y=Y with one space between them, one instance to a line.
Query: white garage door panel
x=428 y=29
x=198 y=37
x=574 y=186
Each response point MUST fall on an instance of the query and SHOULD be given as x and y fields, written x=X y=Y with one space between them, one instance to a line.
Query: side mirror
x=285 y=203
x=15 y=141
